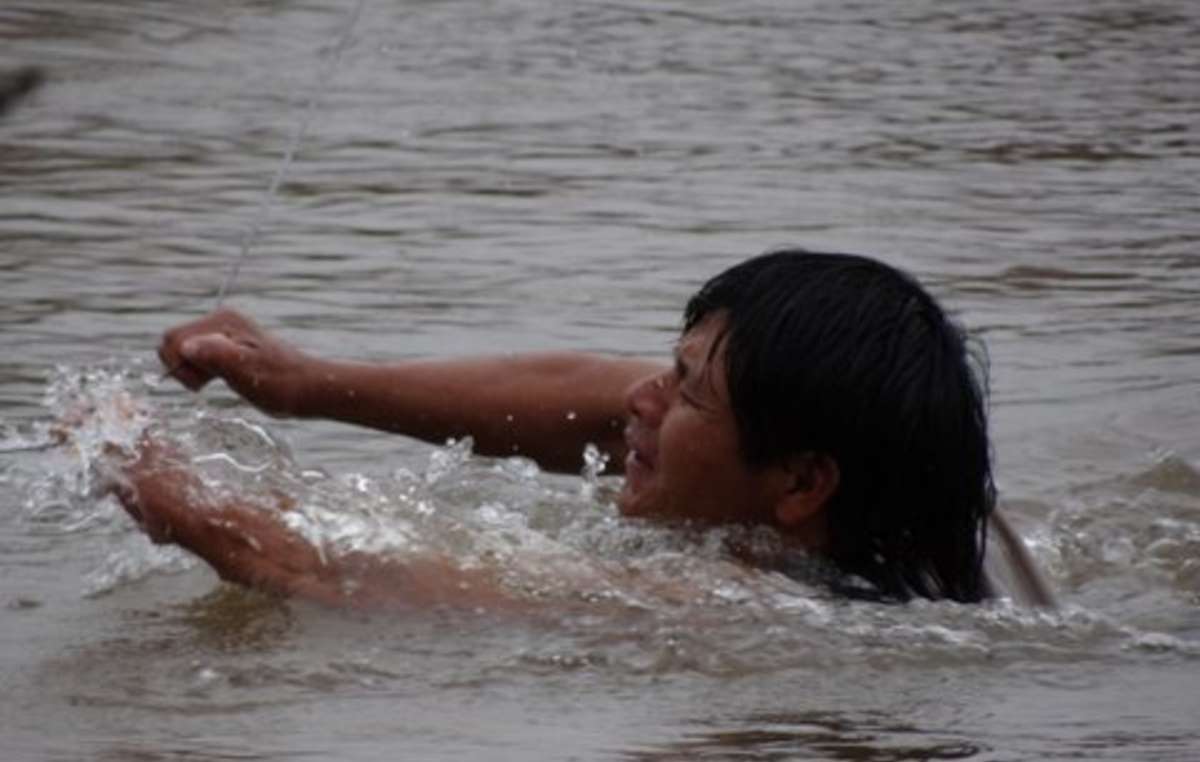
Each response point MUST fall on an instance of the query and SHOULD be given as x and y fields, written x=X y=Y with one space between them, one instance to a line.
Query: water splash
x=628 y=595
x=594 y=463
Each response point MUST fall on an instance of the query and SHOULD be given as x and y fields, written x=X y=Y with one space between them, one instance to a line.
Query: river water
x=525 y=174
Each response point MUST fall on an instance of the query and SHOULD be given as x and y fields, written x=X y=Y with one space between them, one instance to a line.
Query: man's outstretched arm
x=250 y=544
x=542 y=406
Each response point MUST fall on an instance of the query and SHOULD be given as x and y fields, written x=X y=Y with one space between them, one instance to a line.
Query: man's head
x=686 y=458
x=854 y=412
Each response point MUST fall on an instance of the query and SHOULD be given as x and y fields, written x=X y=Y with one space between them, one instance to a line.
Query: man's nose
x=647 y=400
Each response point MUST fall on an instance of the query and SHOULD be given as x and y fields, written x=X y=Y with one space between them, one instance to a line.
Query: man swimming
x=825 y=395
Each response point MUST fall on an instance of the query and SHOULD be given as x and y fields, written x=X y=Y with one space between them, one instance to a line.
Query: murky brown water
x=518 y=174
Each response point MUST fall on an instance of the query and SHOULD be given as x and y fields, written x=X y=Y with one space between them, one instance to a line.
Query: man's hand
x=225 y=344
x=249 y=544
x=152 y=486
x=245 y=544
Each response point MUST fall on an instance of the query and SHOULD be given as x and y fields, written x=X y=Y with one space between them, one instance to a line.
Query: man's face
x=683 y=460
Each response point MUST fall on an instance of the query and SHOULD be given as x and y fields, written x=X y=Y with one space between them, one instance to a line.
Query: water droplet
x=205 y=676
x=449 y=459
x=594 y=463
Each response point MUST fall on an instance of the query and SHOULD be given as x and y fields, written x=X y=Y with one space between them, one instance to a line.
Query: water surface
x=516 y=175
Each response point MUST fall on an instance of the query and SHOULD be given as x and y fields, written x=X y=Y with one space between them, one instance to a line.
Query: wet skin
x=683 y=460
x=679 y=447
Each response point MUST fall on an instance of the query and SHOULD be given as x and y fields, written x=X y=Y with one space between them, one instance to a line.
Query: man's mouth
x=640 y=459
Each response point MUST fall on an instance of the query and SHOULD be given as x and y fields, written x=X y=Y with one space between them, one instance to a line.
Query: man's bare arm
x=543 y=406
x=546 y=406
x=251 y=545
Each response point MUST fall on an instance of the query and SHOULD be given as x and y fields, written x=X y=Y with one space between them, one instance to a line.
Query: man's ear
x=812 y=478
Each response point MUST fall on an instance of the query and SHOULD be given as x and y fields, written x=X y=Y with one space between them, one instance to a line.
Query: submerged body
x=825 y=396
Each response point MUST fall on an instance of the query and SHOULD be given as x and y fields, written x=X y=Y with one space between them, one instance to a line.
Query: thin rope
x=268 y=203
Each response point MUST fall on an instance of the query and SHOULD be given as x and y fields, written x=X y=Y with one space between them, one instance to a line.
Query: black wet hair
x=845 y=356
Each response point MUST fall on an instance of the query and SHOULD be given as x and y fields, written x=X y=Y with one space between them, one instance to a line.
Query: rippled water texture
x=513 y=175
